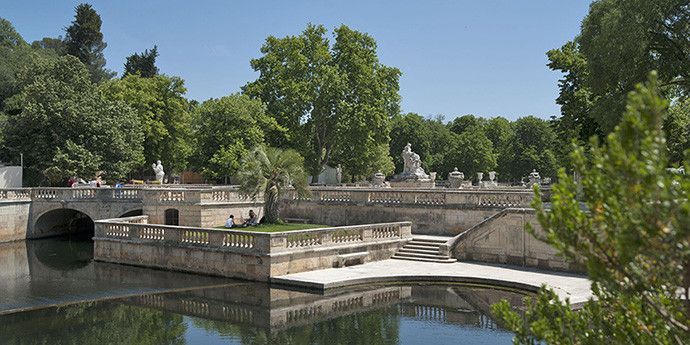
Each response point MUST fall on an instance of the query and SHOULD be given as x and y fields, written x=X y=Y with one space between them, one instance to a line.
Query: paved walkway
x=575 y=287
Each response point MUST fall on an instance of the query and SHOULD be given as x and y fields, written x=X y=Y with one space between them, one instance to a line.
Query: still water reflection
x=235 y=312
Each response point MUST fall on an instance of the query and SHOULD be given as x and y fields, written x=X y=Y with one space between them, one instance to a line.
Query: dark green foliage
x=143 y=64
x=532 y=148
x=633 y=238
x=164 y=115
x=226 y=130
x=84 y=40
x=63 y=114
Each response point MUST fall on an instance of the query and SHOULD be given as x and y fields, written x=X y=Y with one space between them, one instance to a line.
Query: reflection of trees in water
x=376 y=327
x=93 y=323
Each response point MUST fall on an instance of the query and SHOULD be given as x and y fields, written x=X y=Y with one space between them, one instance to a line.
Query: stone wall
x=503 y=239
x=243 y=254
x=202 y=215
x=14 y=220
x=426 y=219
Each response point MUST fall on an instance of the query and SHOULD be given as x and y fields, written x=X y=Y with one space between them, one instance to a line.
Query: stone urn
x=379 y=181
x=455 y=178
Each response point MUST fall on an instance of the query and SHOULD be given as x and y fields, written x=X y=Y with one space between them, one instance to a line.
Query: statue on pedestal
x=412 y=166
x=158 y=170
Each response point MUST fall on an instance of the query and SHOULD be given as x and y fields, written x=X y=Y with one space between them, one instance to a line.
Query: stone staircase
x=424 y=248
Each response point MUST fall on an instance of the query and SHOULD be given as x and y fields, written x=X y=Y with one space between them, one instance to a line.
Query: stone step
x=422 y=243
x=415 y=246
x=430 y=239
x=448 y=260
x=419 y=255
x=420 y=251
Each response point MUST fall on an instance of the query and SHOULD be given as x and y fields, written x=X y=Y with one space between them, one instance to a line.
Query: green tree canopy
x=335 y=100
x=84 y=40
x=163 y=113
x=633 y=238
x=15 y=53
x=143 y=64
x=532 y=148
x=620 y=42
x=471 y=152
x=58 y=104
x=226 y=130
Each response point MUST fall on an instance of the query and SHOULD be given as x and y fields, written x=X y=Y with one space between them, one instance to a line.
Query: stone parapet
x=241 y=254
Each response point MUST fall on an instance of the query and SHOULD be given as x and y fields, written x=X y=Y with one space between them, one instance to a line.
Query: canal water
x=52 y=292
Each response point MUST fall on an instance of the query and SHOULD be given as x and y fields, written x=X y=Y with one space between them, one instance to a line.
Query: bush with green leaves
x=633 y=237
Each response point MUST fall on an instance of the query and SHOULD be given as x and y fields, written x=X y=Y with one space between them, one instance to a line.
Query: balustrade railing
x=479 y=198
x=15 y=194
x=138 y=229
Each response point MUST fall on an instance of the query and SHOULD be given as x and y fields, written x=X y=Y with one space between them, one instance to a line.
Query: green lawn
x=278 y=227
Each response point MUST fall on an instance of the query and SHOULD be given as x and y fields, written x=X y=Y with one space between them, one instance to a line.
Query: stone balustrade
x=390 y=196
x=83 y=194
x=23 y=194
x=137 y=229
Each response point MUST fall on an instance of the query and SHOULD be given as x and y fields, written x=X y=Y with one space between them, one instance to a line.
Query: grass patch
x=277 y=227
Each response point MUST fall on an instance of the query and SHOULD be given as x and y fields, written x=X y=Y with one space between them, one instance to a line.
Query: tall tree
x=324 y=94
x=633 y=238
x=226 y=130
x=622 y=40
x=164 y=114
x=63 y=113
x=370 y=99
x=143 y=64
x=84 y=40
x=575 y=97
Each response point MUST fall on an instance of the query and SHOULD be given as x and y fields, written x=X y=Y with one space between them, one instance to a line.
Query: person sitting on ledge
x=230 y=222
x=253 y=219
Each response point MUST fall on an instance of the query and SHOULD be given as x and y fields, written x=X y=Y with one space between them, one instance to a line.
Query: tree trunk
x=271 y=205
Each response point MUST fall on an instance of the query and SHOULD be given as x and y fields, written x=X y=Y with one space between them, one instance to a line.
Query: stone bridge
x=27 y=213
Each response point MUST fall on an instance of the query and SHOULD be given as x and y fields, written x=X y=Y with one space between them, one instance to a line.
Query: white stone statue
x=480 y=177
x=339 y=174
x=412 y=166
x=158 y=170
x=534 y=178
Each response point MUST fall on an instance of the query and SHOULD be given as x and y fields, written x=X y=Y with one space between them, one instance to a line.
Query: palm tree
x=271 y=171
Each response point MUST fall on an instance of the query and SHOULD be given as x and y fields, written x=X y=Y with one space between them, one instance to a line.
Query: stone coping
x=571 y=286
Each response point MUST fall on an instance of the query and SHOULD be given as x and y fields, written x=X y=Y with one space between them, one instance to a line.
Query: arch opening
x=62 y=222
x=172 y=216
x=132 y=213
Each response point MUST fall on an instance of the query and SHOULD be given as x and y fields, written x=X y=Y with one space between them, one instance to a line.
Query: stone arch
x=132 y=213
x=63 y=221
x=172 y=216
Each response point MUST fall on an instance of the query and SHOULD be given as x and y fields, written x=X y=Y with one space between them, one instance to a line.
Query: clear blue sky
x=457 y=57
